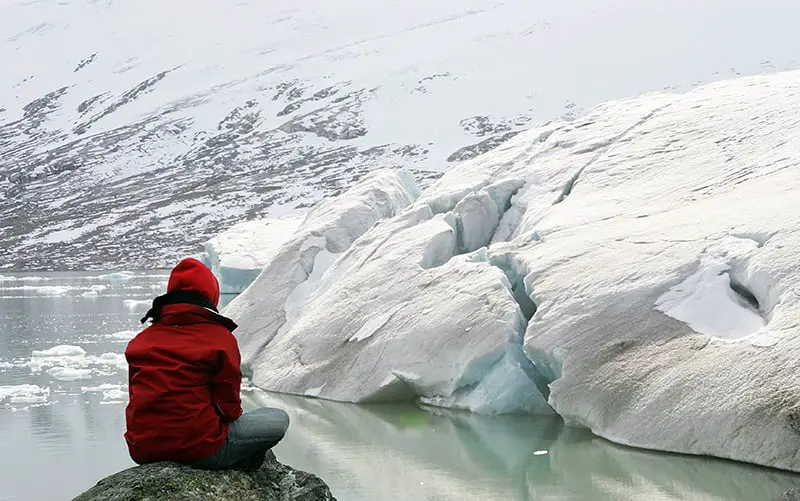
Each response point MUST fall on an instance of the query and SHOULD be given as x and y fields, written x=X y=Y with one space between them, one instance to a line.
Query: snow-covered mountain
x=132 y=130
x=634 y=271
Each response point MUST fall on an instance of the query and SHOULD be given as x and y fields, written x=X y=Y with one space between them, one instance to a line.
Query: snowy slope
x=133 y=130
x=634 y=271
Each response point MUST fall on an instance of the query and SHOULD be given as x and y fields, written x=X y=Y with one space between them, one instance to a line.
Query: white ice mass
x=237 y=255
x=633 y=270
x=73 y=363
x=299 y=265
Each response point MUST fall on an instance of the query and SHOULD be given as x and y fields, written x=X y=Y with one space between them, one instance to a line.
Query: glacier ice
x=713 y=288
x=287 y=282
x=237 y=255
x=73 y=363
x=632 y=270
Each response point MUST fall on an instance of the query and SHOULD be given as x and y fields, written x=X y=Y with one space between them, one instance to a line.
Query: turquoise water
x=62 y=419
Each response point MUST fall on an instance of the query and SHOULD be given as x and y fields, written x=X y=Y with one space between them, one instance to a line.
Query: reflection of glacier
x=398 y=452
x=633 y=271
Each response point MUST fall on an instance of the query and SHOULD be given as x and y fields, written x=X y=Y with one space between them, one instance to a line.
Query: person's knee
x=279 y=422
x=283 y=419
x=277 y=418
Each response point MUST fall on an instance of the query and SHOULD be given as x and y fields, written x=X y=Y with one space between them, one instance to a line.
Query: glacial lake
x=63 y=392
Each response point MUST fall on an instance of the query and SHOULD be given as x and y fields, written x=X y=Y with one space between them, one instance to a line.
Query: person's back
x=184 y=382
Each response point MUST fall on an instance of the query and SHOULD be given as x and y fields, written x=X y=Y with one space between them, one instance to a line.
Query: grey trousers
x=249 y=439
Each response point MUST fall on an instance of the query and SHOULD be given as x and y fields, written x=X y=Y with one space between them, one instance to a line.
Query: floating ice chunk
x=237 y=255
x=116 y=395
x=115 y=360
x=101 y=388
x=117 y=275
x=67 y=362
x=24 y=393
x=47 y=290
x=121 y=335
x=62 y=350
x=137 y=304
x=69 y=373
x=94 y=290
x=6 y=364
x=7 y=278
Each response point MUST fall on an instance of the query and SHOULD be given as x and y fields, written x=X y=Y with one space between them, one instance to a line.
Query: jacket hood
x=192 y=275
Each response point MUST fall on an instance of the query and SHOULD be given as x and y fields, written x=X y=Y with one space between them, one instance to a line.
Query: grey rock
x=473 y=150
x=792 y=495
x=167 y=481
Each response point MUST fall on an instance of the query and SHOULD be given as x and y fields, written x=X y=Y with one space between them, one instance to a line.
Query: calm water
x=62 y=419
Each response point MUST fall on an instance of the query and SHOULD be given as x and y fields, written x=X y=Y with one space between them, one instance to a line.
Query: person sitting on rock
x=184 y=383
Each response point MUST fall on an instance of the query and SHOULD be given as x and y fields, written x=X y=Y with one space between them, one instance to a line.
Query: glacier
x=237 y=255
x=288 y=282
x=632 y=271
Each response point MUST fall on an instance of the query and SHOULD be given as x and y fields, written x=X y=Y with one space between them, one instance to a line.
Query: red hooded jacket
x=184 y=376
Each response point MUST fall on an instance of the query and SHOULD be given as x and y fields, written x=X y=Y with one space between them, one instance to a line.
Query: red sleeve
x=227 y=381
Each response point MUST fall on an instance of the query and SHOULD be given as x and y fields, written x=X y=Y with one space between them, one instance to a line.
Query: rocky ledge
x=173 y=482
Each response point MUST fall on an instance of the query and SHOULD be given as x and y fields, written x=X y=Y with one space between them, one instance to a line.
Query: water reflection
x=399 y=452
